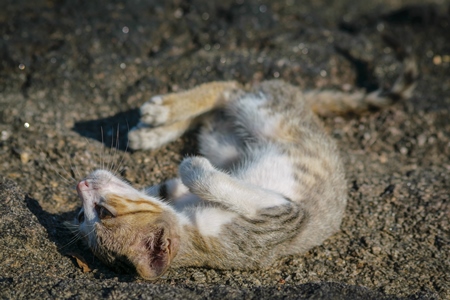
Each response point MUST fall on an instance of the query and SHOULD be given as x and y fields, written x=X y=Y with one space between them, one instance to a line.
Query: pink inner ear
x=158 y=253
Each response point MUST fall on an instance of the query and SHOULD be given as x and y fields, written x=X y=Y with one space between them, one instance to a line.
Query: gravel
x=72 y=75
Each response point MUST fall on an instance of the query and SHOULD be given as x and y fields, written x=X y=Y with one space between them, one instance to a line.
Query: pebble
x=199 y=277
x=376 y=250
x=4 y=135
x=24 y=157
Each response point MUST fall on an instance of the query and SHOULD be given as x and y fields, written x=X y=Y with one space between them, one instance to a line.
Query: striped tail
x=332 y=102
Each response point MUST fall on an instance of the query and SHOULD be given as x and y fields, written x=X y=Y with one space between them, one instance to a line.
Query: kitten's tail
x=328 y=103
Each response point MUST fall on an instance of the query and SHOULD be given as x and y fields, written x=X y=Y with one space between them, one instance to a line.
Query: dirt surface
x=73 y=73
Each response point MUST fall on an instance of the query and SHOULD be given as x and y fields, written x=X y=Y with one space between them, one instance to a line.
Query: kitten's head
x=126 y=228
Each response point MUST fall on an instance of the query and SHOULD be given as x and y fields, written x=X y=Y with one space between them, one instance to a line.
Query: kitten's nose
x=82 y=185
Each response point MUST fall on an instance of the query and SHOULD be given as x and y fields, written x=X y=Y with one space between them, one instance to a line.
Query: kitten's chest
x=208 y=220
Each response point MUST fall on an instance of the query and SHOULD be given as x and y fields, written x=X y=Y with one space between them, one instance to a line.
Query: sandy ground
x=73 y=73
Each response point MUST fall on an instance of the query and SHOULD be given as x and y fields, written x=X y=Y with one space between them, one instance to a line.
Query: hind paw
x=154 y=112
x=143 y=137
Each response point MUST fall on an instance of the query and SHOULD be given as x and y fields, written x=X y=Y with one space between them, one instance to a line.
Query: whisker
x=113 y=170
x=110 y=150
x=87 y=234
x=77 y=236
x=128 y=141
x=102 y=155
x=122 y=157
x=96 y=163
x=72 y=241
x=59 y=174
x=70 y=227
x=70 y=175
x=72 y=168
x=78 y=172
x=68 y=180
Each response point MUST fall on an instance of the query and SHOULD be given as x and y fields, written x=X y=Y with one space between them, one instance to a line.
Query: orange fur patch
x=125 y=206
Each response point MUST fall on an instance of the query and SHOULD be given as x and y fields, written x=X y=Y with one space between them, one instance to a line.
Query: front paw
x=195 y=171
x=143 y=137
x=154 y=112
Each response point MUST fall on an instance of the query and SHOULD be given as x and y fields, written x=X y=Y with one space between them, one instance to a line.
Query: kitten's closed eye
x=103 y=213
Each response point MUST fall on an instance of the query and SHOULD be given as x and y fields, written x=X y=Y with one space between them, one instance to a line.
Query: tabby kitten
x=269 y=181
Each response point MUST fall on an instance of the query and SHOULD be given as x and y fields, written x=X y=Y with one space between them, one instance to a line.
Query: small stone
x=4 y=135
x=404 y=150
x=24 y=157
x=383 y=158
x=421 y=140
x=376 y=250
x=199 y=277
x=437 y=60
x=178 y=13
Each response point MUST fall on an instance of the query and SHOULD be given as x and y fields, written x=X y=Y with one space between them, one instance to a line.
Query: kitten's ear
x=158 y=251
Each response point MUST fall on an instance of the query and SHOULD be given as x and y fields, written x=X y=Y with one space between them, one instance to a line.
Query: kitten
x=269 y=181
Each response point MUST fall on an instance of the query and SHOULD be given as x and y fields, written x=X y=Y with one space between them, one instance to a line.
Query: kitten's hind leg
x=146 y=137
x=210 y=184
x=165 y=118
x=174 y=107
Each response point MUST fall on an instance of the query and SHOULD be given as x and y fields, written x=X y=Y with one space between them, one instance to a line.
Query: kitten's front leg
x=210 y=184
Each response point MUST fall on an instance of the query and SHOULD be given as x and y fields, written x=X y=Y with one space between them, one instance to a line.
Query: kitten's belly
x=269 y=170
x=273 y=172
x=210 y=220
x=206 y=217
